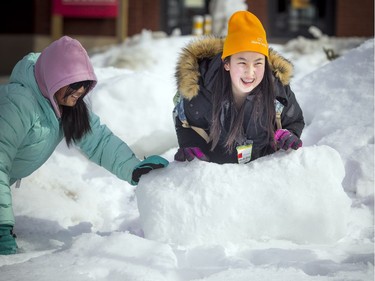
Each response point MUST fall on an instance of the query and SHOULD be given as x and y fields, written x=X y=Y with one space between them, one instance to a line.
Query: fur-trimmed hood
x=187 y=70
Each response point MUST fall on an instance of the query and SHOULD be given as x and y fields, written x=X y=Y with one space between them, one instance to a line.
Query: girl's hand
x=147 y=165
x=285 y=139
x=189 y=153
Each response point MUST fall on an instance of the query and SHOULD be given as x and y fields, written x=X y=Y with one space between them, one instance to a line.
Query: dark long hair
x=264 y=105
x=75 y=120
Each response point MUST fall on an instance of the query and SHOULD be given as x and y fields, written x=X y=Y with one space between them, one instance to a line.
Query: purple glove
x=189 y=153
x=285 y=140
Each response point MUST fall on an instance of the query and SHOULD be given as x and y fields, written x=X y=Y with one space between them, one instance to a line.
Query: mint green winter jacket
x=30 y=130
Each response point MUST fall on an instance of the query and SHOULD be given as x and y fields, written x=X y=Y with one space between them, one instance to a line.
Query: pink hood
x=63 y=62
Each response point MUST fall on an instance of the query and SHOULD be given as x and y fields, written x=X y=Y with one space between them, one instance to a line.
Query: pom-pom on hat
x=245 y=33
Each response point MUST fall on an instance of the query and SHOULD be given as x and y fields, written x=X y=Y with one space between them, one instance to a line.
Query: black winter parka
x=196 y=71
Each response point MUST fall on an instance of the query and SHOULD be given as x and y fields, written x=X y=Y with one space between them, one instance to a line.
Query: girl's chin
x=247 y=89
x=71 y=104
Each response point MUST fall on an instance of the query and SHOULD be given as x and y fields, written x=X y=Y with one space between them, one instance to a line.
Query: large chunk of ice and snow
x=295 y=196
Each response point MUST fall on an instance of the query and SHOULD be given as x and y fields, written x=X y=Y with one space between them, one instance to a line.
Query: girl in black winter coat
x=234 y=103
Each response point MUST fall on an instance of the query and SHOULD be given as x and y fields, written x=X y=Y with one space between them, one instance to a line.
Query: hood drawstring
x=18 y=183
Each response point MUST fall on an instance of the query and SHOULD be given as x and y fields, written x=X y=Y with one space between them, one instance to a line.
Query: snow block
x=295 y=196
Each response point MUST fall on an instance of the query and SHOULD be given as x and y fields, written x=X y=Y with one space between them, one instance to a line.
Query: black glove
x=150 y=163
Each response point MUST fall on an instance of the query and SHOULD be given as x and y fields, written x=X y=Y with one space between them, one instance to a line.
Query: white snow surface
x=300 y=215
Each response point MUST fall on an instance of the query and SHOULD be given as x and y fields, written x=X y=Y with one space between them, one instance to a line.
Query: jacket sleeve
x=107 y=150
x=7 y=154
x=186 y=136
x=13 y=130
x=292 y=115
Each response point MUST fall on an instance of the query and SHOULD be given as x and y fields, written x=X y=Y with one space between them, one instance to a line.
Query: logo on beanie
x=259 y=41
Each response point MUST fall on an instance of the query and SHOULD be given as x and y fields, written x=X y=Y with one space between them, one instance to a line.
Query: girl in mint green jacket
x=42 y=104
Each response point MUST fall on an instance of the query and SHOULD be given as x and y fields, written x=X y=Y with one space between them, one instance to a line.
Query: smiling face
x=246 y=71
x=69 y=95
x=68 y=100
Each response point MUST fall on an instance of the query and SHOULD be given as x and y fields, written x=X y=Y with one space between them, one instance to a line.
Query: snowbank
x=338 y=106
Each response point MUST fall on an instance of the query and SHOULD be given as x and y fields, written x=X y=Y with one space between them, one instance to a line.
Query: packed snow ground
x=303 y=215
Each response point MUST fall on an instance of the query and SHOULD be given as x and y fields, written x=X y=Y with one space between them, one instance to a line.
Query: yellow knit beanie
x=245 y=33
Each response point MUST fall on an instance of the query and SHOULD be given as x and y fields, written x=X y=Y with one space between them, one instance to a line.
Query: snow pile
x=295 y=196
x=329 y=108
x=153 y=93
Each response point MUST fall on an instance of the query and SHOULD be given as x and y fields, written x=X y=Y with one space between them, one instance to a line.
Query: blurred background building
x=30 y=25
